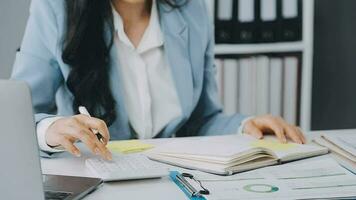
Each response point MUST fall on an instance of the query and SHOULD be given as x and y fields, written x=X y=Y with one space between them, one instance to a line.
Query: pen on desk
x=84 y=111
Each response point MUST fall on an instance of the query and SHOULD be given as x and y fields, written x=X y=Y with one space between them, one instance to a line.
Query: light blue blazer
x=189 y=47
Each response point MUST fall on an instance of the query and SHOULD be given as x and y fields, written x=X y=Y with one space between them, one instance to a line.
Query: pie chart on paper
x=260 y=188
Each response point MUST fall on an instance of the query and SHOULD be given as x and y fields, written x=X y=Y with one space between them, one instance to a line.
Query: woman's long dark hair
x=87 y=51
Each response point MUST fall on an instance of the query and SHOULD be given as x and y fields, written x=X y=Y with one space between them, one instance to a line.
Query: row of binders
x=257 y=21
x=260 y=85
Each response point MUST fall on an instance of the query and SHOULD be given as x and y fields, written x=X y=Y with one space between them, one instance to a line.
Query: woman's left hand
x=268 y=124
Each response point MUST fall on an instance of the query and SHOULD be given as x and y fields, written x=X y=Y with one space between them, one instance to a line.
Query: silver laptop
x=20 y=170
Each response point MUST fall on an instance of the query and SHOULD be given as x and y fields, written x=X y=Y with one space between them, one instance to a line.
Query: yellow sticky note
x=273 y=145
x=128 y=146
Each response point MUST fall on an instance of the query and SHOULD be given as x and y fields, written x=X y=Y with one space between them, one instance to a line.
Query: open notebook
x=226 y=155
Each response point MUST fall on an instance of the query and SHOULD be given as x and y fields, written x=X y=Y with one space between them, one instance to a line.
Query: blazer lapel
x=176 y=37
x=121 y=126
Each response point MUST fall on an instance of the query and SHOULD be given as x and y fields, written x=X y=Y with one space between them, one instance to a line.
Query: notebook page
x=226 y=146
x=289 y=151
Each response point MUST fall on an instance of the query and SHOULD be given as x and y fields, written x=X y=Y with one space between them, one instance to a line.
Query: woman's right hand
x=66 y=131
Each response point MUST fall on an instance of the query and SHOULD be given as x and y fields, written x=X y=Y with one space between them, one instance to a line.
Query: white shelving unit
x=259 y=48
x=307 y=66
x=305 y=47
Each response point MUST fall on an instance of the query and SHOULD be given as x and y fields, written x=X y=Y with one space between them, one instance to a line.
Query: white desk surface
x=155 y=189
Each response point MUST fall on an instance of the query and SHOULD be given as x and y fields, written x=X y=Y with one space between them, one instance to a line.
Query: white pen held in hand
x=84 y=111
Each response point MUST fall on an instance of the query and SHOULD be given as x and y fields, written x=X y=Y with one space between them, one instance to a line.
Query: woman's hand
x=274 y=125
x=66 y=131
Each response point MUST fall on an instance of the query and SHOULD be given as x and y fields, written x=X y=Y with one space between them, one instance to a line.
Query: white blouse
x=150 y=95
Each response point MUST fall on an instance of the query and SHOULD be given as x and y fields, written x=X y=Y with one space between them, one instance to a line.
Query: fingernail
x=77 y=153
x=255 y=135
x=109 y=156
x=97 y=151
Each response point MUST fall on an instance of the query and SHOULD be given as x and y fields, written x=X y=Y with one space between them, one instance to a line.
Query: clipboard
x=188 y=189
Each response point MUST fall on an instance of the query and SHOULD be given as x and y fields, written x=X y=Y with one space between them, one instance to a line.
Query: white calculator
x=126 y=167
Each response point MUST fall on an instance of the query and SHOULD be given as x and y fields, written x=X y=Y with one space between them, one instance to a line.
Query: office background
x=322 y=56
x=295 y=52
x=13 y=17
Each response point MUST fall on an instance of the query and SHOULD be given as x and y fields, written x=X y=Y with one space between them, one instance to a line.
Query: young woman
x=143 y=68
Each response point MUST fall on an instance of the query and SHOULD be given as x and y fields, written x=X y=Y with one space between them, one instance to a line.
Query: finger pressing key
x=104 y=151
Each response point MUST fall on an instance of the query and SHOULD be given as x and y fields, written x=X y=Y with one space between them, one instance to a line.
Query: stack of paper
x=343 y=145
x=316 y=178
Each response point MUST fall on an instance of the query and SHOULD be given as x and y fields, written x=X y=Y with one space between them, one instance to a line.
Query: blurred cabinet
x=334 y=65
x=13 y=17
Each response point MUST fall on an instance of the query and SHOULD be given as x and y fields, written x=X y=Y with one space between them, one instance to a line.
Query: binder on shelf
x=276 y=86
x=247 y=86
x=269 y=26
x=259 y=85
x=291 y=22
x=224 y=21
x=231 y=74
x=257 y=21
x=246 y=26
x=262 y=89
x=290 y=99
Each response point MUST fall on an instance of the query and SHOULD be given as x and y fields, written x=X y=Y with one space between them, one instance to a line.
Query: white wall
x=13 y=17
